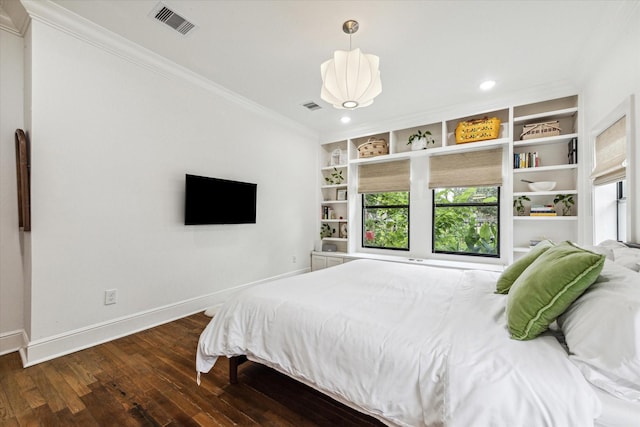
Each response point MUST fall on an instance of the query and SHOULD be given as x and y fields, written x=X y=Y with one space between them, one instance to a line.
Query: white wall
x=616 y=77
x=111 y=141
x=11 y=118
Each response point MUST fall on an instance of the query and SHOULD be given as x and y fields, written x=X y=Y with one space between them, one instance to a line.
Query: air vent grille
x=163 y=14
x=311 y=106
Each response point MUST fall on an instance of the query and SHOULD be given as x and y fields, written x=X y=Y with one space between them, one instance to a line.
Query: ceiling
x=433 y=54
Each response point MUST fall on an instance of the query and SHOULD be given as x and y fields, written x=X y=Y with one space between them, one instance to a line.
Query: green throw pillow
x=548 y=286
x=511 y=273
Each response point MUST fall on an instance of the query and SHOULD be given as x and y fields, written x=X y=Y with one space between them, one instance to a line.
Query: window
x=466 y=221
x=385 y=220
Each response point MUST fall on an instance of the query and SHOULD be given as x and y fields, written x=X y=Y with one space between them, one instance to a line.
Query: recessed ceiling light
x=486 y=85
x=345 y=119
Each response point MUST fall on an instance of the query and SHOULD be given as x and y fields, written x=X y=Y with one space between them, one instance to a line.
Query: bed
x=415 y=345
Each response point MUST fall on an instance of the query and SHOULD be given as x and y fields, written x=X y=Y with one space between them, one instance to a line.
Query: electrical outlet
x=293 y=259
x=110 y=296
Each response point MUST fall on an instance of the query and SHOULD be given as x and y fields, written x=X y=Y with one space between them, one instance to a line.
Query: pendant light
x=351 y=79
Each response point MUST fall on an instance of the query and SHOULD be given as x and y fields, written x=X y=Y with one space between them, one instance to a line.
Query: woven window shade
x=384 y=177
x=611 y=154
x=470 y=169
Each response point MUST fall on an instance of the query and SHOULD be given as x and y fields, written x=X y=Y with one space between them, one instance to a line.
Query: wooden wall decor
x=22 y=172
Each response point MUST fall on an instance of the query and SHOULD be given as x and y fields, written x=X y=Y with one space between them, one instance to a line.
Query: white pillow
x=619 y=253
x=603 y=250
x=627 y=257
x=611 y=244
x=602 y=332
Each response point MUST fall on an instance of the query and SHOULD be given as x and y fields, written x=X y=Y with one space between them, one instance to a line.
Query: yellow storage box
x=477 y=130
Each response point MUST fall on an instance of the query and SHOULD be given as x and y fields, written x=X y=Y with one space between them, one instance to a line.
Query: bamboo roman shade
x=611 y=154
x=468 y=169
x=384 y=177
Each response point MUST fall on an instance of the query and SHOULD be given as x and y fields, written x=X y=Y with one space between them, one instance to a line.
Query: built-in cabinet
x=556 y=161
x=320 y=260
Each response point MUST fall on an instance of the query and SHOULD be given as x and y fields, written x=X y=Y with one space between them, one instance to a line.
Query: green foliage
x=325 y=230
x=518 y=203
x=386 y=220
x=567 y=201
x=466 y=229
x=335 y=178
x=419 y=134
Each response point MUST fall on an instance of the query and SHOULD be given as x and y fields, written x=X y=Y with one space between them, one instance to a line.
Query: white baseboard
x=12 y=341
x=37 y=351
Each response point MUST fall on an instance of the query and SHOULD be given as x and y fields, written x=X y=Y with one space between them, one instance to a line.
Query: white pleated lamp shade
x=351 y=79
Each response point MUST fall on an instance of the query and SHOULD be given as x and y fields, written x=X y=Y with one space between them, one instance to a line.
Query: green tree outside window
x=466 y=221
x=385 y=219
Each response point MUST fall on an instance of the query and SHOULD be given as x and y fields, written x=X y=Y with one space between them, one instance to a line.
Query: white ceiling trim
x=6 y=24
x=63 y=20
x=13 y=17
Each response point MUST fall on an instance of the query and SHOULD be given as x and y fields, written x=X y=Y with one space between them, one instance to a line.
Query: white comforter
x=410 y=345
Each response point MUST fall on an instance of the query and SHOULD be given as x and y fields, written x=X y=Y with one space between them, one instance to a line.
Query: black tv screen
x=218 y=201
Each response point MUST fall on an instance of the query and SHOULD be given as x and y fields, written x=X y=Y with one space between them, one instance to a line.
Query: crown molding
x=13 y=17
x=7 y=25
x=55 y=16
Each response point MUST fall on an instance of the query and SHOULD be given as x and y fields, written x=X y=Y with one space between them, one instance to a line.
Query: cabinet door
x=333 y=261
x=318 y=262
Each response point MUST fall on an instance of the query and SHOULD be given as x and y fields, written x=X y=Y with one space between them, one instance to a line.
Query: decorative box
x=540 y=130
x=373 y=147
x=338 y=158
x=477 y=130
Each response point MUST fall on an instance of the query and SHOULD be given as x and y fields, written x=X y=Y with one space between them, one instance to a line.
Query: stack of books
x=543 y=210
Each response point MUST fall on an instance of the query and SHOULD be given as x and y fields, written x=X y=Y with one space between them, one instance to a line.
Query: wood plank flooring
x=149 y=379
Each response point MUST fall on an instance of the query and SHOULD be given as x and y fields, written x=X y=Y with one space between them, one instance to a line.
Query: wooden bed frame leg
x=234 y=362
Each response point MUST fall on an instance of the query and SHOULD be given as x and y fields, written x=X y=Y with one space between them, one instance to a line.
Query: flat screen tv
x=218 y=201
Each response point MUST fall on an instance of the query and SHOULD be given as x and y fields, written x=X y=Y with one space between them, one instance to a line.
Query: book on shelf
x=543 y=214
x=573 y=151
x=526 y=160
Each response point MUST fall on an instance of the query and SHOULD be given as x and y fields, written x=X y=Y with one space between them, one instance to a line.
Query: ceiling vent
x=312 y=106
x=163 y=14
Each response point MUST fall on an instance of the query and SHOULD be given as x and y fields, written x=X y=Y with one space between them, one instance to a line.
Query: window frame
x=496 y=204
x=621 y=210
x=364 y=207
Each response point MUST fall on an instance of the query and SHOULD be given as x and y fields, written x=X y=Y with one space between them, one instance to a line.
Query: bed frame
x=234 y=362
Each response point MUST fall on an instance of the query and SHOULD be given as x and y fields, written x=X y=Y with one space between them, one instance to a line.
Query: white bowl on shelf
x=542 y=186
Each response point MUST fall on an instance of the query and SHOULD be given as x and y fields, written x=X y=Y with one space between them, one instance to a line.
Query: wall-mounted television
x=219 y=201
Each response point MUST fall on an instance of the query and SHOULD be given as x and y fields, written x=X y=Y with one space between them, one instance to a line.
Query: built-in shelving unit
x=334 y=204
x=555 y=163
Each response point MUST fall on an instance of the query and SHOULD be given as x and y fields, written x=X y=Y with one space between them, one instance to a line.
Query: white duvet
x=410 y=345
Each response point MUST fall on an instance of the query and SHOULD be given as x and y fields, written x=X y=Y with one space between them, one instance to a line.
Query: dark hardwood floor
x=149 y=379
